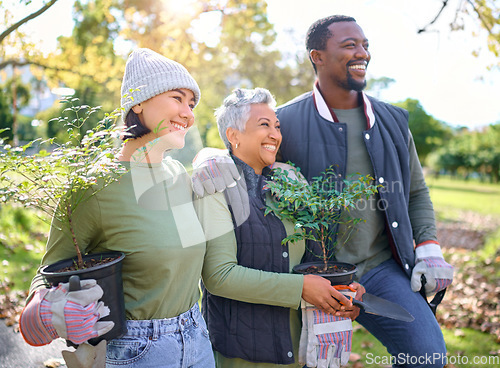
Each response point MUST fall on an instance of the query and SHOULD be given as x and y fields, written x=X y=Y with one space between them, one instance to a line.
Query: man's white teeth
x=178 y=126
x=269 y=147
x=358 y=67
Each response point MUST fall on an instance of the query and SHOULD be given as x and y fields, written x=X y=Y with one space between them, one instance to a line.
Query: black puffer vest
x=313 y=143
x=253 y=332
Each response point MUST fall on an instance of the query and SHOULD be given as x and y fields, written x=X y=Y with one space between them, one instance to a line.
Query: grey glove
x=429 y=262
x=215 y=171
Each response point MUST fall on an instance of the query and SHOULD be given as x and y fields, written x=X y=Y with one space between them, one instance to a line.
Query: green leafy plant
x=59 y=177
x=318 y=208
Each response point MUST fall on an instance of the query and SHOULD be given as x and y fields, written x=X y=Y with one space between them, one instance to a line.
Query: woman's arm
x=221 y=273
x=223 y=276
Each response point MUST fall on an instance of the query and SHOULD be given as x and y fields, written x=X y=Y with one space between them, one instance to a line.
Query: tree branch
x=15 y=26
x=480 y=16
x=19 y=63
x=424 y=29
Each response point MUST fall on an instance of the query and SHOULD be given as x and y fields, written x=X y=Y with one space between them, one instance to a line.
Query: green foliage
x=319 y=207
x=488 y=14
x=5 y=115
x=375 y=85
x=14 y=94
x=57 y=181
x=22 y=242
x=470 y=152
x=90 y=61
x=428 y=133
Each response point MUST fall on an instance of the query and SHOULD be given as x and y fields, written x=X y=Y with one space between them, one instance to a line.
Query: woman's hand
x=353 y=312
x=318 y=291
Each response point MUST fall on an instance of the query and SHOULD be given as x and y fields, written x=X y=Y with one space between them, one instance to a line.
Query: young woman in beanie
x=148 y=214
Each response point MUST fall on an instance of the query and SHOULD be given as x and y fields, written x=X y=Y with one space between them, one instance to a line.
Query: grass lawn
x=450 y=196
x=453 y=199
x=464 y=347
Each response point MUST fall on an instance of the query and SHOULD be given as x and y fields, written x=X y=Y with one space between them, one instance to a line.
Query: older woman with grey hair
x=251 y=298
x=236 y=109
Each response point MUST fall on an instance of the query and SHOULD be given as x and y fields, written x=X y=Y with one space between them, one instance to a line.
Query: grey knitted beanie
x=152 y=74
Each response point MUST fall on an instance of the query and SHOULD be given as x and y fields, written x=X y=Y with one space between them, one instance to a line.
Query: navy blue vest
x=254 y=332
x=314 y=143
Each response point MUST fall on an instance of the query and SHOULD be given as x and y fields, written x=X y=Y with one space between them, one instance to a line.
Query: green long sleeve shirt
x=148 y=215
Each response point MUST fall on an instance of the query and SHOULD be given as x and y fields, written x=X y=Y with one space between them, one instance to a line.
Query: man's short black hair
x=318 y=33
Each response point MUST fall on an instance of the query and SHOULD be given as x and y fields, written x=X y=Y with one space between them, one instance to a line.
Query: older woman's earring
x=236 y=146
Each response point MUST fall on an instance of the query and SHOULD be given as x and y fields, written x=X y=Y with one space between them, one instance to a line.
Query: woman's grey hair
x=235 y=110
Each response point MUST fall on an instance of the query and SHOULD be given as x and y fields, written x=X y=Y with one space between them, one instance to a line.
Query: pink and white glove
x=429 y=262
x=325 y=340
x=72 y=315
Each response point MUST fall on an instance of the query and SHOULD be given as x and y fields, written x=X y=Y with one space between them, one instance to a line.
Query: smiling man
x=338 y=124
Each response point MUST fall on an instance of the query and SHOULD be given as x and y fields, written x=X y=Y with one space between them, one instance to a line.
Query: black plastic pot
x=344 y=276
x=109 y=278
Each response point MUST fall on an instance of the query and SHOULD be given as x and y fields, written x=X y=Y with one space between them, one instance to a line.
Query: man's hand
x=429 y=262
x=215 y=171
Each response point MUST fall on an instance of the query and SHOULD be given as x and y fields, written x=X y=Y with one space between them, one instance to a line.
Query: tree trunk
x=15 y=138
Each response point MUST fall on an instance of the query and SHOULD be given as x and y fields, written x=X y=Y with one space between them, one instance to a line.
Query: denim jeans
x=411 y=344
x=180 y=342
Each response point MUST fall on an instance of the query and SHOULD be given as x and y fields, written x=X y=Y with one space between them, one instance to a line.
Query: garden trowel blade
x=382 y=307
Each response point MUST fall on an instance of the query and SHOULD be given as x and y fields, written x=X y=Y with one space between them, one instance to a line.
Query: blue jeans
x=412 y=344
x=180 y=342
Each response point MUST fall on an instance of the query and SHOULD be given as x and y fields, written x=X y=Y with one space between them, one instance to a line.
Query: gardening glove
x=31 y=326
x=86 y=356
x=429 y=262
x=325 y=340
x=304 y=333
x=72 y=315
x=215 y=171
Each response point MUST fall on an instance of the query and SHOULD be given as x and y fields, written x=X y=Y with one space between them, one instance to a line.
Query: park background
x=438 y=59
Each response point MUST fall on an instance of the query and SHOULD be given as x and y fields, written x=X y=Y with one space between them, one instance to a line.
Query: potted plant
x=318 y=209
x=55 y=181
